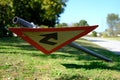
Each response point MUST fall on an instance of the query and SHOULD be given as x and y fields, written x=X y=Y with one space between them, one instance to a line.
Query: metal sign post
x=79 y=47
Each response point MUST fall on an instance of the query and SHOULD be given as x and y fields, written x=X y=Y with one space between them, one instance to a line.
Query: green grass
x=21 y=61
x=113 y=38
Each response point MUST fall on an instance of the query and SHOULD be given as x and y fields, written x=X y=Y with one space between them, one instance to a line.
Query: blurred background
x=62 y=13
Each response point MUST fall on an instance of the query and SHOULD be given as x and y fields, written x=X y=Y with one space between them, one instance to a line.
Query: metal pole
x=72 y=44
x=79 y=47
x=24 y=23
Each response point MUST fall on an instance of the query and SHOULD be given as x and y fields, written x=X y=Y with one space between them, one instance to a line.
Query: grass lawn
x=21 y=61
x=114 y=38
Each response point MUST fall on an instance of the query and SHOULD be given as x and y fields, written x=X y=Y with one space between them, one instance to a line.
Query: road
x=111 y=45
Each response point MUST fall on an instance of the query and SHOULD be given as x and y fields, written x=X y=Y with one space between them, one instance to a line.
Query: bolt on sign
x=49 y=40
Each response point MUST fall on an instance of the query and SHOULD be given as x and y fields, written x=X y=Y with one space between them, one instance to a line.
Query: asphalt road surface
x=111 y=45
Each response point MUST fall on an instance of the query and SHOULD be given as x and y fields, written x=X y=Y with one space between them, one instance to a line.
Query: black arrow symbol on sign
x=47 y=37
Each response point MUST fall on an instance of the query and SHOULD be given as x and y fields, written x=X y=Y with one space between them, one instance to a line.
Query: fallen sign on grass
x=49 y=40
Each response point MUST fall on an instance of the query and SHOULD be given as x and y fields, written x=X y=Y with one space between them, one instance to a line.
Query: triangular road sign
x=48 y=40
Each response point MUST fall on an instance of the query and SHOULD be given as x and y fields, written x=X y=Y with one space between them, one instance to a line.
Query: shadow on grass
x=64 y=53
x=11 y=40
x=20 y=44
x=68 y=51
x=92 y=65
x=25 y=47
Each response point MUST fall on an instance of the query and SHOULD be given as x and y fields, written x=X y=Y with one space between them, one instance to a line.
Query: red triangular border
x=19 y=32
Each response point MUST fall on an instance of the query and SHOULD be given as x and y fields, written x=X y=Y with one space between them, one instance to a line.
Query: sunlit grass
x=21 y=61
x=114 y=38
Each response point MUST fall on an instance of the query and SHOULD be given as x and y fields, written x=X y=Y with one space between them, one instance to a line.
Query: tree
x=94 y=34
x=75 y=24
x=41 y=12
x=61 y=25
x=83 y=23
x=29 y=10
x=117 y=28
x=112 y=20
x=53 y=9
x=5 y=16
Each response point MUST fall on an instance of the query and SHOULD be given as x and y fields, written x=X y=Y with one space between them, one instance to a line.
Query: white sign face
x=48 y=40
